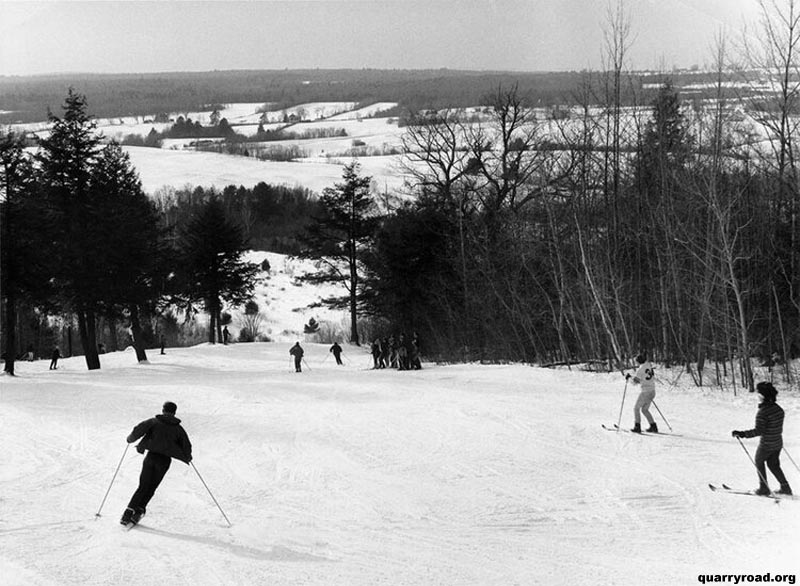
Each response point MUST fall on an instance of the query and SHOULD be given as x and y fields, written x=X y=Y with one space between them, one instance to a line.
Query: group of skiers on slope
x=401 y=353
x=768 y=426
x=163 y=438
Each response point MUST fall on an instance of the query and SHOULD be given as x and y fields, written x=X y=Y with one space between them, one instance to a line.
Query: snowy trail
x=450 y=475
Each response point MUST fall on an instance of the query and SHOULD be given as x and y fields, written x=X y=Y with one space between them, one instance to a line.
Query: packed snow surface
x=461 y=474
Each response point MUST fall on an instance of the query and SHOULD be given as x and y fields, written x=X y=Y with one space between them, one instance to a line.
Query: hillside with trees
x=657 y=222
x=24 y=99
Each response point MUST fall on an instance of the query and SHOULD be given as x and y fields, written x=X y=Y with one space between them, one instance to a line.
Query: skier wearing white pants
x=645 y=377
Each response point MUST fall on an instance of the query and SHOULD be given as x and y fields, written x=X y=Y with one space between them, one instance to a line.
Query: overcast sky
x=514 y=35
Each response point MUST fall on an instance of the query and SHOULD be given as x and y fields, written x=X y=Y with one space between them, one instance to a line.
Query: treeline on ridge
x=115 y=95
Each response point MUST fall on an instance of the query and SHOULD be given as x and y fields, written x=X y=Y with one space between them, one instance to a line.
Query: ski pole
x=791 y=459
x=760 y=475
x=212 y=495
x=619 y=419
x=97 y=514
x=662 y=415
x=306 y=363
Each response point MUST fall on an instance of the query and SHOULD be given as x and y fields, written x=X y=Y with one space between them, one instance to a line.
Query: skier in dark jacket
x=769 y=425
x=163 y=439
x=54 y=358
x=337 y=352
x=414 y=357
x=297 y=352
x=386 y=353
x=376 y=353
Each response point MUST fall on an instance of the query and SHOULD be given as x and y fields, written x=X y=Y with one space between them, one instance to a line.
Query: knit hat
x=169 y=407
x=641 y=358
x=767 y=391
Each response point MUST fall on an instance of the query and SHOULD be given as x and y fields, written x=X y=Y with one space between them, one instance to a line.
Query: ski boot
x=653 y=428
x=137 y=515
x=763 y=490
x=785 y=489
x=637 y=428
x=127 y=517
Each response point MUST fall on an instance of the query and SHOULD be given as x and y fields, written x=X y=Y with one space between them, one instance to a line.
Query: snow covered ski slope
x=450 y=475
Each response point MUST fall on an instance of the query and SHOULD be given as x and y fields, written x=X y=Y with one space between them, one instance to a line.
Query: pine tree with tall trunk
x=339 y=237
x=65 y=160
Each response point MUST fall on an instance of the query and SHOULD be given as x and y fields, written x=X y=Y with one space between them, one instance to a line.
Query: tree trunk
x=353 y=306
x=11 y=332
x=86 y=327
x=212 y=323
x=136 y=330
x=219 y=323
x=113 y=346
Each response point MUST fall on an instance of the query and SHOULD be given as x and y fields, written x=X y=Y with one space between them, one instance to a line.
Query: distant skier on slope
x=376 y=353
x=164 y=439
x=645 y=377
x=297 y=352
x=54 y=358
x=337 y=352
x=769 y=425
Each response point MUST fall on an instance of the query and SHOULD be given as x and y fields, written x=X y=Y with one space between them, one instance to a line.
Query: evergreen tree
x=213 y=271
x=134 y=247
x=21 y=267
x=66 y=157
x=340 y=235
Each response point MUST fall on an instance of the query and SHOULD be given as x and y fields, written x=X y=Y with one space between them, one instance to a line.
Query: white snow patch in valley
x=461 y=474
x=364 y=112
x=159 y=167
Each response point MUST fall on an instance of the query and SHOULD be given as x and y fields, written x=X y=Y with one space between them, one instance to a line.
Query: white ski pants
x=643 y=406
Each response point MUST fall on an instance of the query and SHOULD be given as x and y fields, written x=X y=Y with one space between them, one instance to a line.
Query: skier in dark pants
x=225 y=335
x=54 y=358
x=416 y=364
x=337 y=352
x=164 y=439
x=385 y=354
x=769 y=425
x=297 y=352
x=376 y=352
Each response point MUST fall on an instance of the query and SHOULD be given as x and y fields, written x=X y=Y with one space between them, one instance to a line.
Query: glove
x=735 y=433
x=628 y=376
x=140 y=449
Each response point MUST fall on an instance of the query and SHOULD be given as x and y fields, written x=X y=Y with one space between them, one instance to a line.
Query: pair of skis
x=642 y=433
x=724 y=488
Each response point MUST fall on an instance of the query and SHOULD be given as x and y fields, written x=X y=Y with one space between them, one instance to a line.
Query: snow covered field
x=462 y=474
x=158 y=168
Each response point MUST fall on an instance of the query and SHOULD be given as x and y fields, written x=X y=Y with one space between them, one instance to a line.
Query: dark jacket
x=769 y=425
x=336 y=349
x=163 y=434
x=296 y=351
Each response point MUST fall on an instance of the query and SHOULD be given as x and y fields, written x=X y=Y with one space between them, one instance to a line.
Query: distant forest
x=27 y=99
